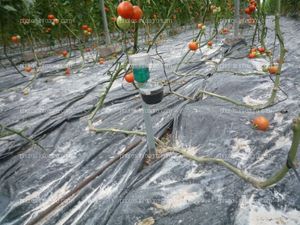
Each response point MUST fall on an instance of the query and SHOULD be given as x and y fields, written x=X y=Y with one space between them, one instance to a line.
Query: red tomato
x=51 y=17
x=252 y=2
x=129 y=77
x=125 y=9
x=247 y=11
x=14 y=39
x=261 y=49
x=137 y=13
x=65 y=53
x=261 y=123
x=209 y=43
x=84 y=27
x=28 y=69
x=252 y=55
x=273 y=69
x=252 y=8
x=193 y=45
x=90 y=30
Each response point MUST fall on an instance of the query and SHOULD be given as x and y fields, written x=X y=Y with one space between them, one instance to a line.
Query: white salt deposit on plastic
x=241 y=150
x=253 y=101
x=181 y=198
x=254 y=213
x=194 y=173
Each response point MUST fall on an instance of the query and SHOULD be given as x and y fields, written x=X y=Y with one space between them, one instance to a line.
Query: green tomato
x=123 y=24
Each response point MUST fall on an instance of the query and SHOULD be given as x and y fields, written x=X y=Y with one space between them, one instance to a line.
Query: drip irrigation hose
x=83 y=184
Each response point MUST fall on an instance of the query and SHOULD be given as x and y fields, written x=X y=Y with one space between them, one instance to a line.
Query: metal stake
x=236 y=18
x=149 y=130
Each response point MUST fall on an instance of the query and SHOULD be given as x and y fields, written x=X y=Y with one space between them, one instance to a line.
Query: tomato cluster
x=54 y=20
x=128 y=14
x=16 y=39
x=201 y=26
x=256 y=52
x=215 y=9
x=251 y=7
x=86 y=30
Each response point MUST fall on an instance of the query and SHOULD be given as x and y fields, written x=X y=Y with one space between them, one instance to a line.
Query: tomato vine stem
x=256 y=182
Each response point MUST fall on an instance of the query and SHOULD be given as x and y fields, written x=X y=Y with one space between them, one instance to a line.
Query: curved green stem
x=162 y=28
x=263 y=21
x=257 y=183
x=114 y=130
x=103 y=95
x=11 y=131
x=224 y=98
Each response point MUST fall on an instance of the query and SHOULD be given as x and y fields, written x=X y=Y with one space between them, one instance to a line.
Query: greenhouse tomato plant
x=168 y=80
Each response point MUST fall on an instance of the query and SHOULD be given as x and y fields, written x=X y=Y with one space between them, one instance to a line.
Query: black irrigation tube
x=83 y=183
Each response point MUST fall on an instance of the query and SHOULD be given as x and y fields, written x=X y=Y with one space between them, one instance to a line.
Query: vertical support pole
x=236 y=18
x=105 y=24
x=149 y=130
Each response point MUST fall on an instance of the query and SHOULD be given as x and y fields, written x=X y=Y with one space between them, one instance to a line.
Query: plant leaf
x=9 y=8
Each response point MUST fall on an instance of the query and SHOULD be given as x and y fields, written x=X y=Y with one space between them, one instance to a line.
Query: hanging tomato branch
x=272 y=69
